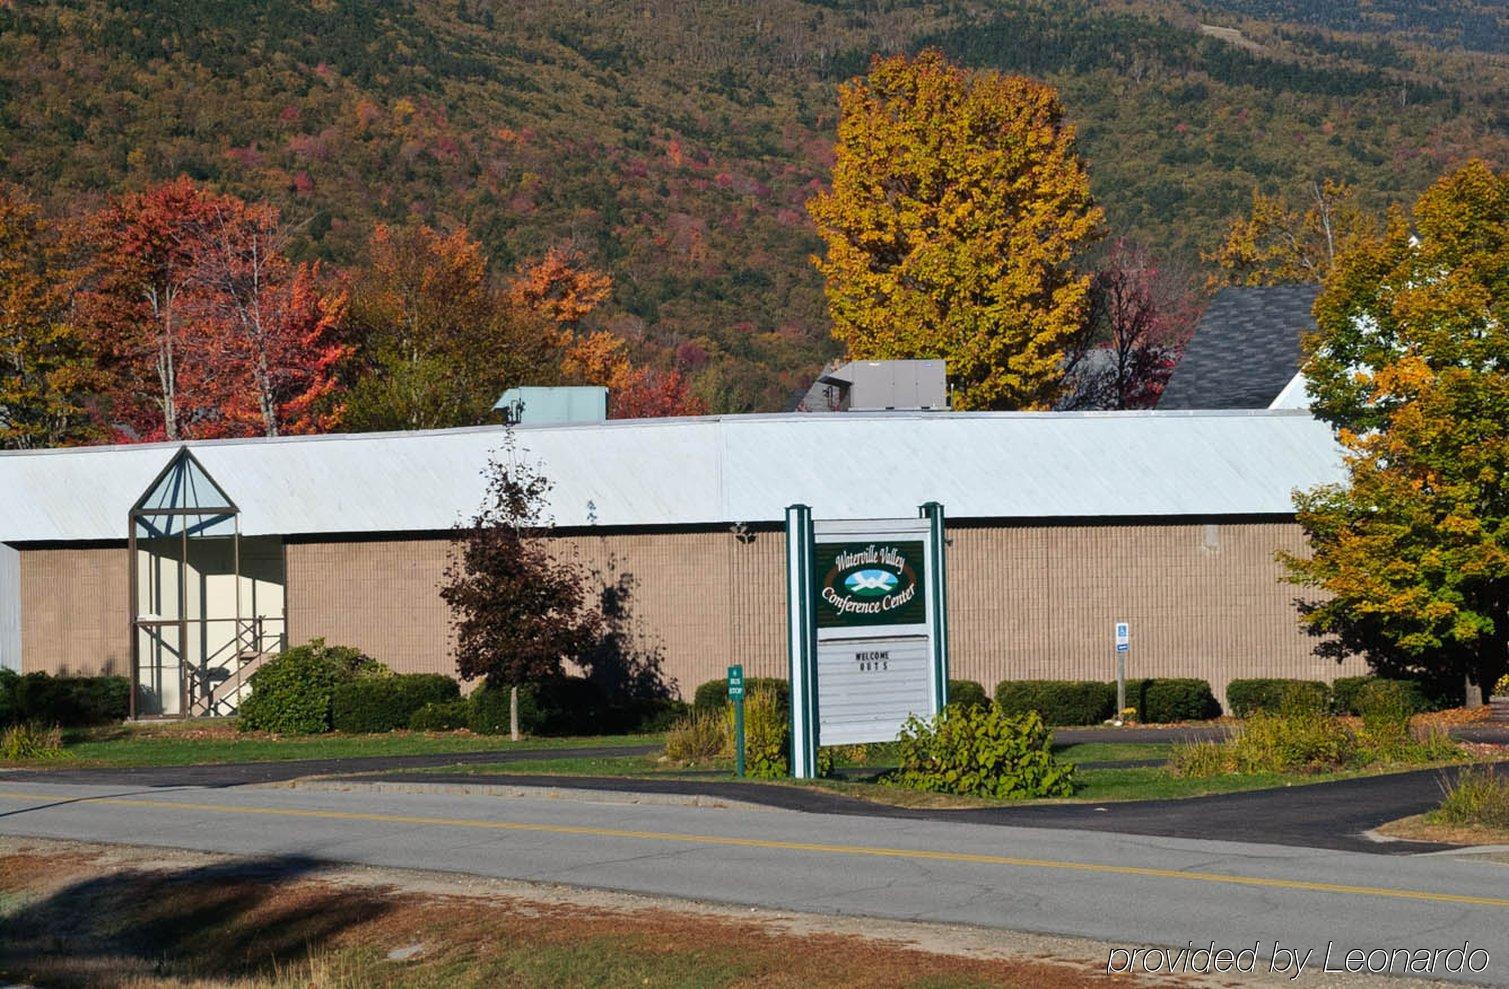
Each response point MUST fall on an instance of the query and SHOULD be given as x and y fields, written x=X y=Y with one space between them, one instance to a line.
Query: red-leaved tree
x=136 y=308
x=206 y=327
x=1140 y=318
x=270 y=343
x=518 y=611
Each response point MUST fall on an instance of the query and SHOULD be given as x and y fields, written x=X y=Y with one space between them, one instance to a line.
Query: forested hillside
x=675 y=142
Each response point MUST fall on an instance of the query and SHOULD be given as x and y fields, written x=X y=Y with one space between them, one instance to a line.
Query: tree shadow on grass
x=244 y=918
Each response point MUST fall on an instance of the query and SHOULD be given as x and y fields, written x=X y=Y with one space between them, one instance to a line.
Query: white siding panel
x=10 y=609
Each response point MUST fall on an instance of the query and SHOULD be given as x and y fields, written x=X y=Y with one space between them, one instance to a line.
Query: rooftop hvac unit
x=874 y=386
x=537 y=404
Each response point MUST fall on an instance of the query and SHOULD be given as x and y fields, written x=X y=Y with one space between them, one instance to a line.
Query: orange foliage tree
x=438 y=342
x=207 y=328
x=269 y=341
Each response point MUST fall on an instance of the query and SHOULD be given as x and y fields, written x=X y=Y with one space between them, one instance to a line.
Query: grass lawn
x=200 y=742
x=1095 y=785
x=1112 y=751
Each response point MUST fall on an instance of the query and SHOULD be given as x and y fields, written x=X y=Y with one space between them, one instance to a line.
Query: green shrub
x=1386 y=708
x=1167 y=700
x=1477 y=798
x=8 y=681
x=968 y=693
x=713 y=695
x=1268 y=694
x=1295 y=741
x=441 y=716
x=488 y=710
x=559 y=706
x=30 y=740
x=1200 y=760
x=652 y=715
x=697 y=737
x=68 y=701
x=1058 y=702
x=378 y=705
x=291 y=693
x=1347 y=693
x=981 y=752
x=767 y=742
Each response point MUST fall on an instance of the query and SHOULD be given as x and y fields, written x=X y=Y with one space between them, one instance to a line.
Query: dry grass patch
x=171 y=919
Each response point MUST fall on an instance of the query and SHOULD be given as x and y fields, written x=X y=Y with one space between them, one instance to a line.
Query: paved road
x=1322 y=815
x=1118 y=888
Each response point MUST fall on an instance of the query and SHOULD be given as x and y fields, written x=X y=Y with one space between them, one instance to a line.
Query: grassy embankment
x=184 y=743
x=1096 y=783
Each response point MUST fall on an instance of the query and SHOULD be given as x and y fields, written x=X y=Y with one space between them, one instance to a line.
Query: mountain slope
x=676 y=141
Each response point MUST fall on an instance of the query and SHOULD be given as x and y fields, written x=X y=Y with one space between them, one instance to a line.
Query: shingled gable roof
x=1245 y=349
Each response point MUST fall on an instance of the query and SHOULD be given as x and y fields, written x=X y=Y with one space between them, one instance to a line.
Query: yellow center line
x=823 y=848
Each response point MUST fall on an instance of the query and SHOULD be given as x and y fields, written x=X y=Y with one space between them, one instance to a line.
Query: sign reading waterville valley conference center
x=867 y=621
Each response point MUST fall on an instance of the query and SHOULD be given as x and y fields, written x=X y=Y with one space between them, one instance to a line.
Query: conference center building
x=184 y=565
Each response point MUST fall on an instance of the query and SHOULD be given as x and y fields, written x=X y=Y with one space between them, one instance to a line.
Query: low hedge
x=712 y=695
x=441 y=716
x=1060 y=702
x=66 y=701
x=569 y=706
x=1249 y=696
x=291 y=693
x=967 y=693
x=1348 y=693
x=377 y=705
x=1163 y=700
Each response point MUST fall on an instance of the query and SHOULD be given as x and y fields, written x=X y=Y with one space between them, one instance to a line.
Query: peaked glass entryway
x=206 y=602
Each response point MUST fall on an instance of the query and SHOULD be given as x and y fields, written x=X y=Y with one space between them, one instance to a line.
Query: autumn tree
x=47 y=370
x=561 y=286
x=268 y=334
x=135 y=306
x=1282 y=240
x=957 y=206
x=519 y=612
x=1410 y=365
x=634 y=392
x=438 y=342
x=1140 y=316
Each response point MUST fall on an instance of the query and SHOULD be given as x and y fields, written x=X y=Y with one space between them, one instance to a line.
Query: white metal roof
x=716 y=469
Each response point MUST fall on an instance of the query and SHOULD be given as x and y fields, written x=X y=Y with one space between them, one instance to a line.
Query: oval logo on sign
x=875 y=583
x=870 y=583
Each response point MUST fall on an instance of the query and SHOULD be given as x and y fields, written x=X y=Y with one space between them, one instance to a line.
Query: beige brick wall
x=1203 y=601
x=1024 y=601
x=75 y=611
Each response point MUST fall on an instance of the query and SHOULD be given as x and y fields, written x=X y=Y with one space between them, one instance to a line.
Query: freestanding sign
x=868 y=628
x=736 y=695
x=1123 y=646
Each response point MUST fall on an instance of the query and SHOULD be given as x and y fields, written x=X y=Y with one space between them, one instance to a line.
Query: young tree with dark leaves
x=1140 y=317
x=518 y=610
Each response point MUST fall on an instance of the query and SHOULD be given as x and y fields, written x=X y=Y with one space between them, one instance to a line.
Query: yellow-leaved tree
x=957 y=206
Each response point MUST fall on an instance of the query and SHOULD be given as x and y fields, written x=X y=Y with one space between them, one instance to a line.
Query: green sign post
x=736 y=695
